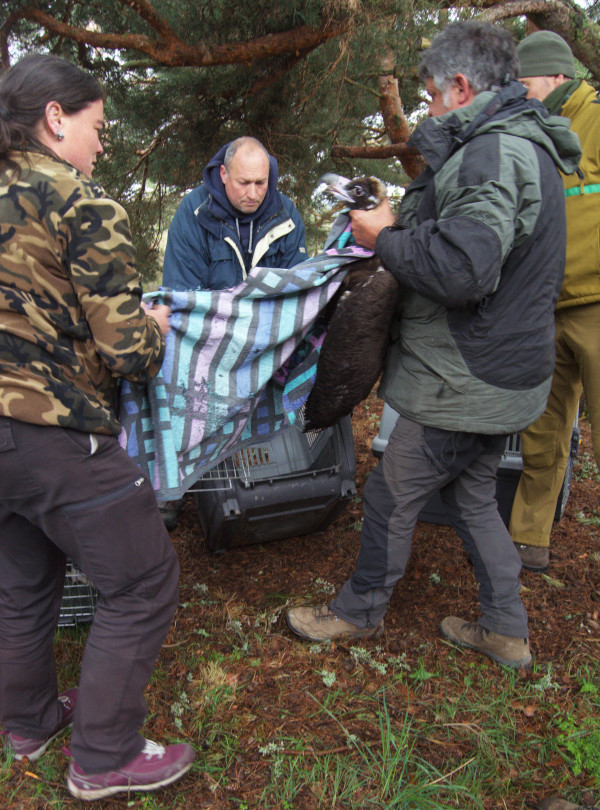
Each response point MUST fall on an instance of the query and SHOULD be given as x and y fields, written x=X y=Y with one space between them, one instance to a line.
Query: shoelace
x=480 y=632
x=324 y=615
x=153 y=749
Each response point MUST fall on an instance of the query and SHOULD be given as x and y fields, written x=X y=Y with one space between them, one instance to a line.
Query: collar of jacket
x=215 y=225
x=581 y=96
x=439 y=137
x=555 y=100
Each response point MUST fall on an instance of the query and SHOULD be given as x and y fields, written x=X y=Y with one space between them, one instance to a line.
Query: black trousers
x=68 y=493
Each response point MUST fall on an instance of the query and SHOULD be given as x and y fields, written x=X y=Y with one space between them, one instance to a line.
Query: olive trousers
x=545 y=445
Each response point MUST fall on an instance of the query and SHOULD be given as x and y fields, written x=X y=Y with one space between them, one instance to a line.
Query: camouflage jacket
x=71 y=322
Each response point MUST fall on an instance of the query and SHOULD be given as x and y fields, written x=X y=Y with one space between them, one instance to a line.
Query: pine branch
x=516 y=8
x=363 y=87
x=169 y=50
x=375 y=152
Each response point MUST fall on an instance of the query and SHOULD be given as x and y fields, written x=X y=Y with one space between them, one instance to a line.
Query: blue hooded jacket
x=212 y=246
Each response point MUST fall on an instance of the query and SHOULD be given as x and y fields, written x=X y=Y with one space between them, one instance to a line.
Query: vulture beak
x=335 y=185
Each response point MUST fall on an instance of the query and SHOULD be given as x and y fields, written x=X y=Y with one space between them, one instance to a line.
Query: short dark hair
x=486 y=54
x=28 y=86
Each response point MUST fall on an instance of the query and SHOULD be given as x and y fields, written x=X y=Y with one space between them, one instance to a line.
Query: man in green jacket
x=478 y=249
x=547 y=70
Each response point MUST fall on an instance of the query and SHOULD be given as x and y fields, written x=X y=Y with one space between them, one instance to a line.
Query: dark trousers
x=419 y=461
x=68 y=493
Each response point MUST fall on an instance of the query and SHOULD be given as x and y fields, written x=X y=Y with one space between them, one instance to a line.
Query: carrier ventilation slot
x=252 y=457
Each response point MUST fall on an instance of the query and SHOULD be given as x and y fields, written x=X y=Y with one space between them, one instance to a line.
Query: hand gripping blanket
x=239 y=365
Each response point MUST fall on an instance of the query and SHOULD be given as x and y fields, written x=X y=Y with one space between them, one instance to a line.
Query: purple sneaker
x=31 y=748
x=155 y=767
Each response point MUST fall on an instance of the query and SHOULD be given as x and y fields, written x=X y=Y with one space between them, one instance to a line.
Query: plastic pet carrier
x=509 y=472
x=294 y=483
x=79 y=598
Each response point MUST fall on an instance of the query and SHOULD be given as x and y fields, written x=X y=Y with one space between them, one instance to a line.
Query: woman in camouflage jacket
x=72 y=324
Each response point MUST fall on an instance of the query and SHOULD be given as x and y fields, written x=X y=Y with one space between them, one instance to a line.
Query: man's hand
x=160 y=313
x=367 y=224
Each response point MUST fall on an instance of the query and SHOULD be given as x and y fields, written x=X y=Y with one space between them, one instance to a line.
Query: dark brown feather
x=355 y=346
x=358 y=333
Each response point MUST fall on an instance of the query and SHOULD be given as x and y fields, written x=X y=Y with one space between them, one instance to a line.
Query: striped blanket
x=239 y=365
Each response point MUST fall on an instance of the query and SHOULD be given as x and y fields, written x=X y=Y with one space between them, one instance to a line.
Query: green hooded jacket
x=481 y=262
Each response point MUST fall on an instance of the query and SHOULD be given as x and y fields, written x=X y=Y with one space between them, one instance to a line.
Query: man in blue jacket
x=233 y=222
x=479 y=253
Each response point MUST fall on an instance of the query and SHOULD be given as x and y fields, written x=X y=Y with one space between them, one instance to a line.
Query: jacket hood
x=219 y=204
x=507 y=111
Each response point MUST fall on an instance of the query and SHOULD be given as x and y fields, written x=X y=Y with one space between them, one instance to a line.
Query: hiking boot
x=561 y=804
x=33 y=748
x=534 y=558
x=320 y=623
x=506 y=650
x=153 y=768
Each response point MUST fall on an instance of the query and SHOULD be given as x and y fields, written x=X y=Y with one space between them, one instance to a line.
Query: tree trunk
x=396 y=125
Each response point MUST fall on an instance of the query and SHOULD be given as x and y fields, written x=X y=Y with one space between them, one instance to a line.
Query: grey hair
x=245 y=140
x=486 y=54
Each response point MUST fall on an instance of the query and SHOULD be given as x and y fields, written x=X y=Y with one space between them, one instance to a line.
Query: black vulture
x=358 y=331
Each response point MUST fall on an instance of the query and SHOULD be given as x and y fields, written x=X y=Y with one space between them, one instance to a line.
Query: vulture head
x=361 y=192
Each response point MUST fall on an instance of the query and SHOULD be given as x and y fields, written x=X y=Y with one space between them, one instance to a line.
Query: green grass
x=585 y=467
x=591 y=519
x=376 y=731
x=280 y=724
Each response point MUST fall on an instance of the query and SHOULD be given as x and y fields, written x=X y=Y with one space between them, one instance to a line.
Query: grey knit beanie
x=545 y=53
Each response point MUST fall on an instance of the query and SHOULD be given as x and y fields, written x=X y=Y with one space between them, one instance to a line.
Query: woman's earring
x=60 y=136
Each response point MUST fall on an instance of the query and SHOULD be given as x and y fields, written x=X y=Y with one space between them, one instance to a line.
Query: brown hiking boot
x=506 y=650
x=534 y=558
x=562 y=804
x=320 y=623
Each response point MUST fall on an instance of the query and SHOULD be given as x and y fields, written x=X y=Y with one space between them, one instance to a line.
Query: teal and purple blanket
x=239 y=365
